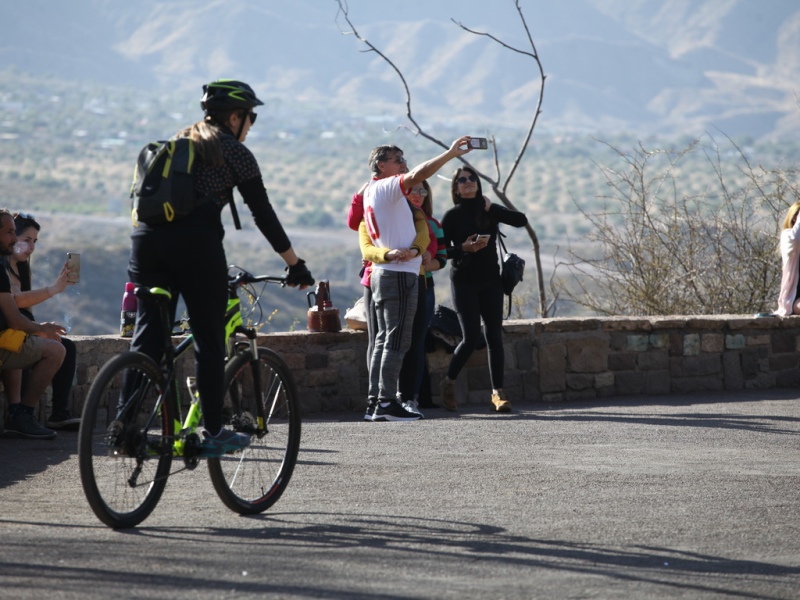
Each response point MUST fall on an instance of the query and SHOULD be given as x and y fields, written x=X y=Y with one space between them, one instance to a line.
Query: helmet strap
x=241 y=127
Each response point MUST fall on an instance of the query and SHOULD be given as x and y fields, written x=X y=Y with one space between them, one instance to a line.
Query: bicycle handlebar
x=244 y=277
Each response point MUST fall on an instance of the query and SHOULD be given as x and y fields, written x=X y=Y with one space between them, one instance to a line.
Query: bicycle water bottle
x=127 y=319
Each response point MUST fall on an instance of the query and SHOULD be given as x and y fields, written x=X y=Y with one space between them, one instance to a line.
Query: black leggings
x=473 y=302
x=188 y=259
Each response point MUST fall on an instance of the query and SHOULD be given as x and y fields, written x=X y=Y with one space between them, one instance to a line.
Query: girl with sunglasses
x=18 y=267
x=470 y=233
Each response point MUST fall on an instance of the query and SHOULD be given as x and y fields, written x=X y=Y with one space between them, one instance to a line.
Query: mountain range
x=643 y=66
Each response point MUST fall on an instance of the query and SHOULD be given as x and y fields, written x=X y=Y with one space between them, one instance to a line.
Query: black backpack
x=163 y=188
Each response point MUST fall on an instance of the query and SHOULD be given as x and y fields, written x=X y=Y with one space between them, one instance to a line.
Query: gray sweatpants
x=394 y=296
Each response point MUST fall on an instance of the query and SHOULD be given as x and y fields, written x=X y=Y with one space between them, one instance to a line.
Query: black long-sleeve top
x=241 y=171
x=468 y=217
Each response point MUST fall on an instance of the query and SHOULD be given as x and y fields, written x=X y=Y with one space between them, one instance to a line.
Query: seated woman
x=19 y=273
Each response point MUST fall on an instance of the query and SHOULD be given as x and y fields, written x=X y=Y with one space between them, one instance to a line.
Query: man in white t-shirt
x=394 y=285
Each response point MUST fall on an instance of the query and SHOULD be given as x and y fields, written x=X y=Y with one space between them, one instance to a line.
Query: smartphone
x=483 y=237
x=74 y=265
x=478 y=143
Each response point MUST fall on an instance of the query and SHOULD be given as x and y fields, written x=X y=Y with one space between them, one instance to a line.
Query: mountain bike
x=133 y=423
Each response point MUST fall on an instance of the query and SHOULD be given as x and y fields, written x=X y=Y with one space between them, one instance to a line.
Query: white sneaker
x=412 y=406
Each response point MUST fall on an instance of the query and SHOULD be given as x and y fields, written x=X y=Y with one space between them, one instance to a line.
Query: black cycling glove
x=298 y=274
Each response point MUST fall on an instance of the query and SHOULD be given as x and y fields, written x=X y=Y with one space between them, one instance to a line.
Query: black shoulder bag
x=512 y=269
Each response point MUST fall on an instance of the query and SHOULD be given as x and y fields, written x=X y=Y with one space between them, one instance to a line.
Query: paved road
x=690 y=497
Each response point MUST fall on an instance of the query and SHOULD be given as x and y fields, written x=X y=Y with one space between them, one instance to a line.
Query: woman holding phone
x=18 y=266
x=470 y=234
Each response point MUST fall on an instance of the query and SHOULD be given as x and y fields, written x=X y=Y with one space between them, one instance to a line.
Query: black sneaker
x=393 y=412
x=26 y=425
x=63 y=420
x=372 y=404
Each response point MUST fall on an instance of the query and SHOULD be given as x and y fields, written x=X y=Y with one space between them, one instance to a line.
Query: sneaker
x=393 y=412
x=63 y=420
x=372 y=404
x=448 y=389
x=500 y=403
x=225 y=442
x=412 y=406
x=25 y=425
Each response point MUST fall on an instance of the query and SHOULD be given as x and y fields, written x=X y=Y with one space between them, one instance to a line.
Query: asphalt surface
x=681 y=497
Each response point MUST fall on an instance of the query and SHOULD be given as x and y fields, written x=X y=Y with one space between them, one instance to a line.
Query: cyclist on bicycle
x=188 y=258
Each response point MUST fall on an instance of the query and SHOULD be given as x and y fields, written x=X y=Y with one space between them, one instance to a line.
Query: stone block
x=659 y=340
x=732 y=369
x=579 y=381
x=782 y=362
x=580 y=395
x=691 y=344
x=657 y=382
x=316 y=361
x=759 y=340
x=619 y=361
x=701 y=366
x=637 y=343
x=629 y=383
x=784 y=342
x=682 y=385
x=712 y=343
x=735 y=341
x=523 y=352
x=652 y=360
x=552 y=367
x=749 y=361
x=788 y=379
x=603 y=380
x=587 y=355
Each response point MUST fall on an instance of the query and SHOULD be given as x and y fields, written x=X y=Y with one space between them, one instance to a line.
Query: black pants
x=475 y=301
x=412 y=361
x=187 y=258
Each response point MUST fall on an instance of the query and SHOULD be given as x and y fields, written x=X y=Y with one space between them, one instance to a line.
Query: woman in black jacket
x=470 y=232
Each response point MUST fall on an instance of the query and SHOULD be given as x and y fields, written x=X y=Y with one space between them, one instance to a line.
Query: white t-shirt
x=389 y=221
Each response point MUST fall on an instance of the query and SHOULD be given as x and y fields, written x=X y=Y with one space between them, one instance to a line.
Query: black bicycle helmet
x=227 y=94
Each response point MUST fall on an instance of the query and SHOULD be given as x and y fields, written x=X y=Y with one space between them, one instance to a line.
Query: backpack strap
x=500 y=236
x=234 y=213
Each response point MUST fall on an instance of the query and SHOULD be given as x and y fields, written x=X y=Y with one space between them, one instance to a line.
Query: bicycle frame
x=184 y=427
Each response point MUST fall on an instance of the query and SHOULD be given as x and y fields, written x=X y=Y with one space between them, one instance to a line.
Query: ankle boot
x=500 y=402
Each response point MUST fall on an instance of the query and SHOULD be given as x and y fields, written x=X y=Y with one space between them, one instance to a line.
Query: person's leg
x=467 y=306
x=62 y=385
x=372 y=323
x=42 y=372
x=411 y=369
x=491 y=308
x=398 y=297
x=378 y=338
x=12 y=385
x=491 y=301
x=45 y=357
x=203 y=284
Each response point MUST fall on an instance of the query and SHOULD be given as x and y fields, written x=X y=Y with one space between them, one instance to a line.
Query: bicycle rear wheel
x=251 y=481
x=125 y=458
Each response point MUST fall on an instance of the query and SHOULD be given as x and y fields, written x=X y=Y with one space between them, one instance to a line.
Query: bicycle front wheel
x=125 y=440
x=251 y=481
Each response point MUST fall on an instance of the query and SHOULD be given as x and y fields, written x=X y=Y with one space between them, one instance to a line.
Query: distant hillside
x=612 y=65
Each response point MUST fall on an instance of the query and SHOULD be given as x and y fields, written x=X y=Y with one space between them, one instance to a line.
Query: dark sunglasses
x=252 y=116
x=463 y=179
x=24 y=217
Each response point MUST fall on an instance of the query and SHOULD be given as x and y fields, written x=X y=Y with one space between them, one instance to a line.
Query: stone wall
x=547 y=360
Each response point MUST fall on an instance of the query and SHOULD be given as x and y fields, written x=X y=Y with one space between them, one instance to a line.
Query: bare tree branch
x=499 y=187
